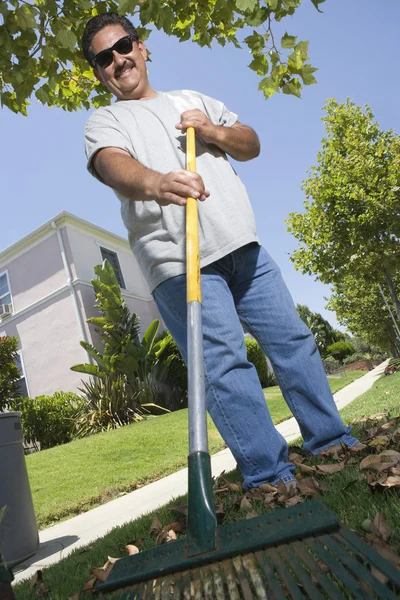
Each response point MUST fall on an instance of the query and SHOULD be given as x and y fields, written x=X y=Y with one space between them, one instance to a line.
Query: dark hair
x=97 y=23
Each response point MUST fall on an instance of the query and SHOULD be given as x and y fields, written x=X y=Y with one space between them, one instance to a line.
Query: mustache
x=118 y=70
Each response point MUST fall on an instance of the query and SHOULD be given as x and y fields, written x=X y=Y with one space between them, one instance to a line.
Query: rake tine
x=250 y=565
x=230 y=579
x=244 y=582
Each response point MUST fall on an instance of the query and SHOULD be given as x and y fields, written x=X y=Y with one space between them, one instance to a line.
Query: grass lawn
x=349 y=496
x=82 y=474
x=280 y=410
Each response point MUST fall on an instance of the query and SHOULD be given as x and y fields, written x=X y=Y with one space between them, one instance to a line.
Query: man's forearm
x=126 y=175
x=240 y=142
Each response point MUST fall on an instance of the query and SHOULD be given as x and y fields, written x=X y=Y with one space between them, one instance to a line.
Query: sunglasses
x=104 y=58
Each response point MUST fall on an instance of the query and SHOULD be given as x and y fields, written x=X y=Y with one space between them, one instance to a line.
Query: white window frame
x=5 y=272
x=100 y=246
x=21 y=357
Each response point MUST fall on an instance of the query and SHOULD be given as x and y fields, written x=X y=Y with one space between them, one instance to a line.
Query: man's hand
x=175 y=187
x=203 y=127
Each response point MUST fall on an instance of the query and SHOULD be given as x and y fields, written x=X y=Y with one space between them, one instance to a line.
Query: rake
x=298 y=552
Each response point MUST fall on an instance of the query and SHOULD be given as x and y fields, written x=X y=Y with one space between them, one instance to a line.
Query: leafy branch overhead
x=40 y=52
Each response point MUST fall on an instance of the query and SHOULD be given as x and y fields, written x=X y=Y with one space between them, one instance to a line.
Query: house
x=46 y=296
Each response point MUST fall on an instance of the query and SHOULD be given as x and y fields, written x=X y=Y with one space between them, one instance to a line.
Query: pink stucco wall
x=36 y=273
x=49 y=338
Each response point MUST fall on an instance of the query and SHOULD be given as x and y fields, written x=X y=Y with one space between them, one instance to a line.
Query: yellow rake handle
x=192 y=228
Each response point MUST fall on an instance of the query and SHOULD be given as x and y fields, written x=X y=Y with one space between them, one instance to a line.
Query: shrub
x=176 y=386
x=331 y=365
x=48 y=420
x=354 y=358
x=395 y=362
x=256 y=356
x=339 y=350
x=9 y=373
x=127 y=366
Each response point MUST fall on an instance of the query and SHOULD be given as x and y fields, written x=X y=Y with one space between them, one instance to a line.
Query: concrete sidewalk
x=61 y=539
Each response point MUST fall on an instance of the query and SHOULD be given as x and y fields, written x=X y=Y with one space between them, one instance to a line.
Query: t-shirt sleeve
x=218 y=113
x=103 y=130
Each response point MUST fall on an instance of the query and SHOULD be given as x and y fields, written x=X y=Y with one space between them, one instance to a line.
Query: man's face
x=126 y=76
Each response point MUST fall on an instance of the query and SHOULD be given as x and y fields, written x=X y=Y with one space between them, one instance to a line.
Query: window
x=112 y=257
x=5 y=294
x=22 y=384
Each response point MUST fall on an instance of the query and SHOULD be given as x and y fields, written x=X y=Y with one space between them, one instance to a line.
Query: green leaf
x=306 y=73
x=126 y=7
x=246 y=4
x=66 y=39
x=255 y=42
x=273 y=4
x=268 y=86
x=257 y=17
x=288 y=41
x=293 y=88
x=88 y=369
x=25 y=17
x=295 y=60
x=42 y=95
x=302 y=47
x=260 y=64
x=149 y=336
x=317 y=3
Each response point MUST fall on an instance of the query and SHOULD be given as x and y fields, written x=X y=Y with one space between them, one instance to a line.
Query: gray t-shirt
x=146 y=129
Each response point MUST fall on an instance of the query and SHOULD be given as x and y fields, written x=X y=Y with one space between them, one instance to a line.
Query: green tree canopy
x=40 y=54
x=351 y=222
x=359 y=306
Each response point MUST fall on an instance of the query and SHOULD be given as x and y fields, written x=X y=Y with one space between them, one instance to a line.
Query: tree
x=39 y=44
x=9 y=372
x=351 y=222
x=359 y=306
x=323 y=332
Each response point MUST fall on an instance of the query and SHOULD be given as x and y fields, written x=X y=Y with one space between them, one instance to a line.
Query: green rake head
x=299 y=552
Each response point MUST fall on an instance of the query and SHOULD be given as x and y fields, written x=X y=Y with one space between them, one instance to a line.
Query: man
x=137 y=147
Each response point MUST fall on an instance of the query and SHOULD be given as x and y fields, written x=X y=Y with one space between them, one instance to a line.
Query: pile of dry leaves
x=379 y=460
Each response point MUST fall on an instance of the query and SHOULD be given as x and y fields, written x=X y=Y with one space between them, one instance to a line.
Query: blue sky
x=355 y=46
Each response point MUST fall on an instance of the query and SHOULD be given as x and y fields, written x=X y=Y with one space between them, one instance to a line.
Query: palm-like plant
x=125 y=375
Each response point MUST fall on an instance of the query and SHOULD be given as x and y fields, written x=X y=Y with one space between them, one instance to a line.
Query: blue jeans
x=246 y=288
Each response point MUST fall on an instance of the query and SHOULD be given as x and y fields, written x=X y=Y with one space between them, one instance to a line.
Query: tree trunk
x=392 y=291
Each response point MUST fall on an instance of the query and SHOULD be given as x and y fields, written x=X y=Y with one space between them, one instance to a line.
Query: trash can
x=19 y=537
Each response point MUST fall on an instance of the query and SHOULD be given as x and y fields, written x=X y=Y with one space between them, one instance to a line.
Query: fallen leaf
x=378 y=416
x=220 y=509
x=296 y=458
x=35 y=579
x=308 y=486
x=379 y=576
x=369 y=460
x=349 y=485
x=171 y=536
x=293 y=500
x=75 y=596
x=181 y=509
x=100 y=574
x=42 y=590
x=269 y=499
x=156 y=526
x=267 y=488
x=323 y=486
x=235 y=487
x=131 y=549
x=358 y=448
x=381 y=440
x=392 y=481
x=282 y=489
x=306 y=469
x=165 y=534
x=333 y=450
x=245 y=503
x=251 y=514
x=381 y=527
x=327 y=469
x=393 y=455
x=89 y=584
x=256 y=494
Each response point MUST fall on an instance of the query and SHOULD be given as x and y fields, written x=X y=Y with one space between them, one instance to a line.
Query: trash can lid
x=5 y=415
